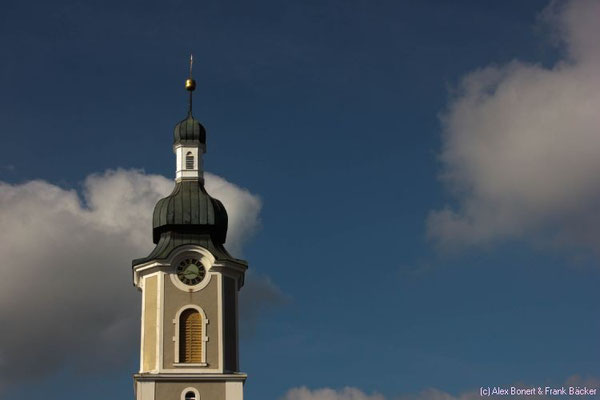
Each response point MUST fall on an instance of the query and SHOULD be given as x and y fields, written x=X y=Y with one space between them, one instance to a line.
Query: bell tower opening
x=189 y=160
x=190 y=336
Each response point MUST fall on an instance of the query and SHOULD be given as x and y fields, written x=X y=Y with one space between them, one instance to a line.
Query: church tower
x=189 y=285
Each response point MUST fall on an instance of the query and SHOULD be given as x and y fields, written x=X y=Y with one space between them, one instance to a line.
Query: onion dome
x=189 y=131
x=189 y=209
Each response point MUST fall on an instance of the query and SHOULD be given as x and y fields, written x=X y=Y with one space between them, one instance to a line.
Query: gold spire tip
x=190 y=84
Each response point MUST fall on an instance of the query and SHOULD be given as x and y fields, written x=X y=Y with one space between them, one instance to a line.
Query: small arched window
x=189 y=160
x=190 y=337
x=190 y=396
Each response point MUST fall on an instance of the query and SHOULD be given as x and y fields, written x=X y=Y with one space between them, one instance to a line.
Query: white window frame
x=177 y=362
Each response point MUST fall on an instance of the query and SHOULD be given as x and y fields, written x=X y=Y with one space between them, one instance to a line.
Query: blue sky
x=420 y=224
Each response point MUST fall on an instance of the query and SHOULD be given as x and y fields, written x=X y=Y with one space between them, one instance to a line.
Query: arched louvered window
x=190 y=396
x=189 y=160
x=190 y=337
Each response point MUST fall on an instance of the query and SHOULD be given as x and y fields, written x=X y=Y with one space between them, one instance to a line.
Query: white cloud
x=242 y=208
x=347 y=393
x=521 y=145
x=66 y=294
x=351 y=393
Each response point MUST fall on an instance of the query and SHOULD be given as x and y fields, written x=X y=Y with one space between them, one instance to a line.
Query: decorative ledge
x=190 y=364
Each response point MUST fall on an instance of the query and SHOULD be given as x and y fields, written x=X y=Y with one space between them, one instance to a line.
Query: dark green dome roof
x=189 y=131
x=189 y=209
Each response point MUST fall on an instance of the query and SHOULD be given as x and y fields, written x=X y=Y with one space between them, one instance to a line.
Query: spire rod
x=190 y=84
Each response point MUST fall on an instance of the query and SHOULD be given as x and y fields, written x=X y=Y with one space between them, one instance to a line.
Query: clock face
x=190 y=271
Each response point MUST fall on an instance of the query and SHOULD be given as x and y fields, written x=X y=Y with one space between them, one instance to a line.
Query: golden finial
x=190 y=84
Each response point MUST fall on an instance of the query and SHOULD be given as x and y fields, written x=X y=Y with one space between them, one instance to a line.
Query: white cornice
x=190 y=377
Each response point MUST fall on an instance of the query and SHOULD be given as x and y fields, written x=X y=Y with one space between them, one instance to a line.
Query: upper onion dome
x=189 y=131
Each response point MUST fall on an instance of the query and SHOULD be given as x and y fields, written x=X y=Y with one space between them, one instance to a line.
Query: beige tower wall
x=230 y=329
x=149 y=329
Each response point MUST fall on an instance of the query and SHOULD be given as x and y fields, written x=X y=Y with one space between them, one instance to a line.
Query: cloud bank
x=521 y=145
x=351 y=393
x=347 y=393
x=66 y=294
